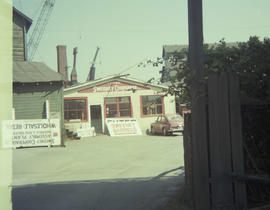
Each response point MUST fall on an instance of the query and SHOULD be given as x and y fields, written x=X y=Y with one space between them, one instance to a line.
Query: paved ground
x=119 y=173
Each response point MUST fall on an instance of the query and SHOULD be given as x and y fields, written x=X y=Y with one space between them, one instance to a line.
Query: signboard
x=123 y=127
x=86 y=132
x=113 y=86
x=55 y=115
x=29 y=133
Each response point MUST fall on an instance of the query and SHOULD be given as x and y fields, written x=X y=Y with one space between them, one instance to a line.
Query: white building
x=115 y=97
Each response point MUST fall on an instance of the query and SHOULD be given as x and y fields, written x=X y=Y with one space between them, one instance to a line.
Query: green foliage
x=249 y=60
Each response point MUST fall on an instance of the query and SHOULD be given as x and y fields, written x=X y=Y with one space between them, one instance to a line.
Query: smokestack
x=73 y=75
x=62 y=61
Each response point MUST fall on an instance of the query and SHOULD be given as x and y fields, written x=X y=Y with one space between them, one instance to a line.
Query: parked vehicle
x=167 y=124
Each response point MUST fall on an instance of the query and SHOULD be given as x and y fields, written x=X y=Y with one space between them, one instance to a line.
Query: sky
x=132 y=31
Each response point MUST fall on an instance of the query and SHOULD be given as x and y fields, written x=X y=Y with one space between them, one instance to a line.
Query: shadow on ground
x=119 y=194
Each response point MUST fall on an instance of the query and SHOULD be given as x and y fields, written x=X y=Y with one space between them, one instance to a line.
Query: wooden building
x=21 y=25
x=37 y=89
x=34 y=83
x=115 y=97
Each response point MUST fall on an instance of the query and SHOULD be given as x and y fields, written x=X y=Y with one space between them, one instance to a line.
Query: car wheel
x=164 y=132
x=152 y=131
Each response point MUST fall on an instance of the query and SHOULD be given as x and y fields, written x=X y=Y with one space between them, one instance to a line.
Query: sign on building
x=123 y=127
x=114 y=86
x=29 y=133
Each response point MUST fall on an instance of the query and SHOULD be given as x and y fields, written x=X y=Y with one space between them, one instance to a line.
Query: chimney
x=62 y=61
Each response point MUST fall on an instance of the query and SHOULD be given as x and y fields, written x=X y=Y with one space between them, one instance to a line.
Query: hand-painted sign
x=86 y=132
x=29 y=133
x=113 y=87
x=123 y=127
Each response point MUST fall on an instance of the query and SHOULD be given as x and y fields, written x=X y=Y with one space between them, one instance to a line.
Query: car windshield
x=175 y=117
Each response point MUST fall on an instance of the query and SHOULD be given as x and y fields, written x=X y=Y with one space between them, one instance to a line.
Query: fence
x=224 y=149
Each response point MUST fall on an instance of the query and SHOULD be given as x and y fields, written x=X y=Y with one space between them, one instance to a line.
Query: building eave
x=111 y=78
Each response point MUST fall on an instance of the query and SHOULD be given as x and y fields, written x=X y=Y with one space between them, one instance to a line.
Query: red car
x=166 y=124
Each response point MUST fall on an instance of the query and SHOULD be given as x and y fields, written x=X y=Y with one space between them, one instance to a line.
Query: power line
x=131 y=67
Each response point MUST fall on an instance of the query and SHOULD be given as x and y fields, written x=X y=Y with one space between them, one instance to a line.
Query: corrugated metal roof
x=34 y=72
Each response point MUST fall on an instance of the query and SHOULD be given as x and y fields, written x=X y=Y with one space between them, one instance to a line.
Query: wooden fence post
x=188 y=160
x=237 y=140
x=219 y=141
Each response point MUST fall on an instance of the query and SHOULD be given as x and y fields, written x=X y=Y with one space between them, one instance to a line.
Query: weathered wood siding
x=19 y=53
x=224 y=148
x=29 y=100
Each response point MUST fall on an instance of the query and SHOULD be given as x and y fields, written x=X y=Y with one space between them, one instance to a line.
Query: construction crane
x=39 y=28
x=91 y=75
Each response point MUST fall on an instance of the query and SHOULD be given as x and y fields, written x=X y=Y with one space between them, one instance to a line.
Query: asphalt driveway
x=103 y=172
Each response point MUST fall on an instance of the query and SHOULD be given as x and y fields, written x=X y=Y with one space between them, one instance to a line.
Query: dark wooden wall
x=19 y=41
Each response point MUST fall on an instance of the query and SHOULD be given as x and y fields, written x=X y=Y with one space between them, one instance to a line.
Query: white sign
x=86 y=132
x=123 y=127
x=29 y=133
x=55 y=115
x=114 y=88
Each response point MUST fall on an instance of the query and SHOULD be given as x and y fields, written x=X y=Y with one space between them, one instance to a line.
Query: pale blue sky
x=130 y=31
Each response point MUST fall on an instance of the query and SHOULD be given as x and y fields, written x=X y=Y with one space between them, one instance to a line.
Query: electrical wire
x=131 y=67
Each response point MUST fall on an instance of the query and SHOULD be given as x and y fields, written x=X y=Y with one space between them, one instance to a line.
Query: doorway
x=96 y=117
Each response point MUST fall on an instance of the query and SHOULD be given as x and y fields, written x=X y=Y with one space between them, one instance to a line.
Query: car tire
x=152 y=131
x=164 y=132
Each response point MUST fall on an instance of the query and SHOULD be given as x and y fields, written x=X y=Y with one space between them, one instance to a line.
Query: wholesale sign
x=123 y=127
x=29 y=133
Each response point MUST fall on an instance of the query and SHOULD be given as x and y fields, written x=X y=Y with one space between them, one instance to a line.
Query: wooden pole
x=199 y=128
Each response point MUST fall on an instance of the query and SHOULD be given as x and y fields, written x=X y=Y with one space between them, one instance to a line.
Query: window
x=152 y=105
x=118 y=107
x=75 y=109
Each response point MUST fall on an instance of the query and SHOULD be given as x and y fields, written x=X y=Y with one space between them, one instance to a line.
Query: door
x=96 y=117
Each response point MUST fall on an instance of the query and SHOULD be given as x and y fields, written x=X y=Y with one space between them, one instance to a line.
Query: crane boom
x=39 y=28
x=95 y=56
x=91 y=75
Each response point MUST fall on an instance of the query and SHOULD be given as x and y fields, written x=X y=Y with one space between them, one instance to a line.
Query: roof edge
x=113 y=77
x=29 y=20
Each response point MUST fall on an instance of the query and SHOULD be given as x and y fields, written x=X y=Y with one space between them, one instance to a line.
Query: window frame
x=85 y=109
x=152 y=115
x=118 y=102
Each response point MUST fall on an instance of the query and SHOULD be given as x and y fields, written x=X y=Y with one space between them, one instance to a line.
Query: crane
x=91 y=75
x=39 y=28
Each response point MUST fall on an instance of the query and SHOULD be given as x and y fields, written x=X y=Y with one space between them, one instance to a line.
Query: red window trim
x=117 y=107
x=152 y=115
x=86 y=107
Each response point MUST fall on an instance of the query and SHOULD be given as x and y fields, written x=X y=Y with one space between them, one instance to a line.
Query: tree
x=249 y=60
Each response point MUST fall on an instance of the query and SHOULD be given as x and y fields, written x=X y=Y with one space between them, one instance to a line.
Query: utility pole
x=198 y=107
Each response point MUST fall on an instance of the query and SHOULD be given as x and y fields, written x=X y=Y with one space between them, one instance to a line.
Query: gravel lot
x=102 y=172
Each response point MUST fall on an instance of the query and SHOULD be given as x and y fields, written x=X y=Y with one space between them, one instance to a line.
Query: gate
x=224 y=149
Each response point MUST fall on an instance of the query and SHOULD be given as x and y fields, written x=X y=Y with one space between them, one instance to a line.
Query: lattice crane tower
x=39 y=28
